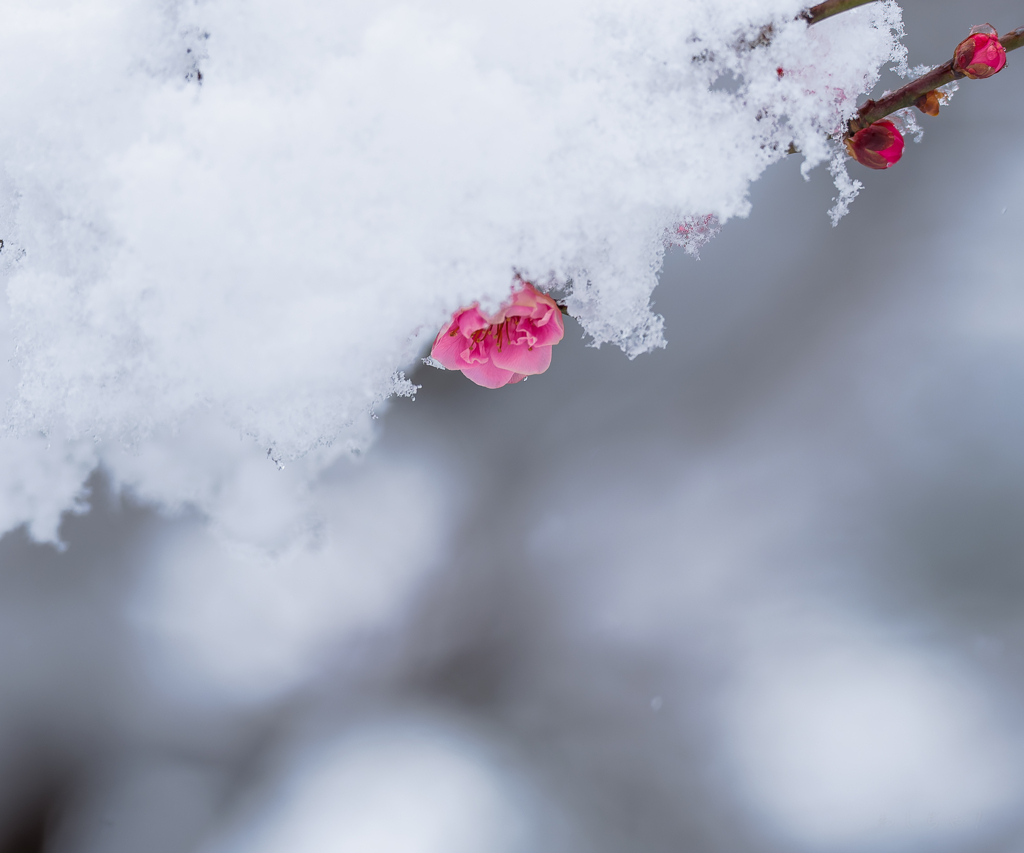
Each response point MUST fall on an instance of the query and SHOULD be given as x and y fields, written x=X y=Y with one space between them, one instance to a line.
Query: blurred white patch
x=225 y=618
x=852 y=745
x=400 y=787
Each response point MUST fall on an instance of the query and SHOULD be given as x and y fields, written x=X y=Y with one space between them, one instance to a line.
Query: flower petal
x=522 y=359
x=471 y=320
x=488 y=374
x=549 y=330
x=448 y=348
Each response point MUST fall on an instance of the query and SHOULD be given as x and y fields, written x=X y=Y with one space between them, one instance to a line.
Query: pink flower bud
x=980 y=54
x=877 y=146
x=494 y=350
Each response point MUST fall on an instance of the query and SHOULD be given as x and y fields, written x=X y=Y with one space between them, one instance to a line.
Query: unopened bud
x=928 y=103
x=980 y=54
x=877 y=146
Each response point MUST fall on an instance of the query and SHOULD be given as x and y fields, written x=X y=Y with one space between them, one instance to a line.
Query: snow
x=231 y=228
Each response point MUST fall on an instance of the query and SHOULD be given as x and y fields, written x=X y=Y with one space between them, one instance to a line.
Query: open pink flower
x=980 y=54
x=877 y=146
x=506 y=347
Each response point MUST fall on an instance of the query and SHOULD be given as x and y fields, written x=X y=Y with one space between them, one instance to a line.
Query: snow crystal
x=694 y=232
x=848 y=187
x=249 y=218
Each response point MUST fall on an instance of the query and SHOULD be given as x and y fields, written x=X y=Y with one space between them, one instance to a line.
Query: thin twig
x=907 y=96
x=813 y=15
x=819 y=13
x=1013 y=39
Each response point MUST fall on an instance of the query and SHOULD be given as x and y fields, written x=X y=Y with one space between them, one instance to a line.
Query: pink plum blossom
x=980 y=54
x=877 y=146
x=505 y=347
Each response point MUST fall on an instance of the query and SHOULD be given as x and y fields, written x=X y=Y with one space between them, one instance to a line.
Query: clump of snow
x=225 y=217
x=693 y=233
x=848 y=188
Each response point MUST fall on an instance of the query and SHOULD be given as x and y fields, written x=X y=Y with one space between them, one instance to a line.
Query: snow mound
x=255 y=215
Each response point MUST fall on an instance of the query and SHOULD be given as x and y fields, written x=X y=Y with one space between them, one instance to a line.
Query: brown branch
x=813 y=15
x=907 y=96
x=819 y=13
x=1013 y=39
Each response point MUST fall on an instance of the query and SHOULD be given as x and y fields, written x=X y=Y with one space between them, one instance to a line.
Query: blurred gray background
x=759 y=591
